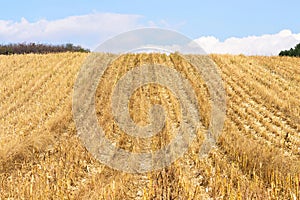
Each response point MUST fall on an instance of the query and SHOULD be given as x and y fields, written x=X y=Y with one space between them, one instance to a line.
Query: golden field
x=258 y=153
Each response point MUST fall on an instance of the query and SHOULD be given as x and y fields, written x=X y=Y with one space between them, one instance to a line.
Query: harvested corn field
x=257 y=155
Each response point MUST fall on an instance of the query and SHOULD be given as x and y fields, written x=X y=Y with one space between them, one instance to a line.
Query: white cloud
x=91 y=29
x=87 y=30
x=269 y=44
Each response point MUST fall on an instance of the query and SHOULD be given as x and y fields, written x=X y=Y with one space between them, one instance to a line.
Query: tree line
x=292 y=52
x=26 y=48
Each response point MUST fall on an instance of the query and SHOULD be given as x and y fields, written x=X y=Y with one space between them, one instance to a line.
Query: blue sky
x=220 y=20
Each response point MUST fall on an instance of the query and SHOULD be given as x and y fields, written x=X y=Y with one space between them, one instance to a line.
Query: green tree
x=24 y=48
x=292 y=52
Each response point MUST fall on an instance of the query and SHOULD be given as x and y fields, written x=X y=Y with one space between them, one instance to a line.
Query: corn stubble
x=258 y=154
